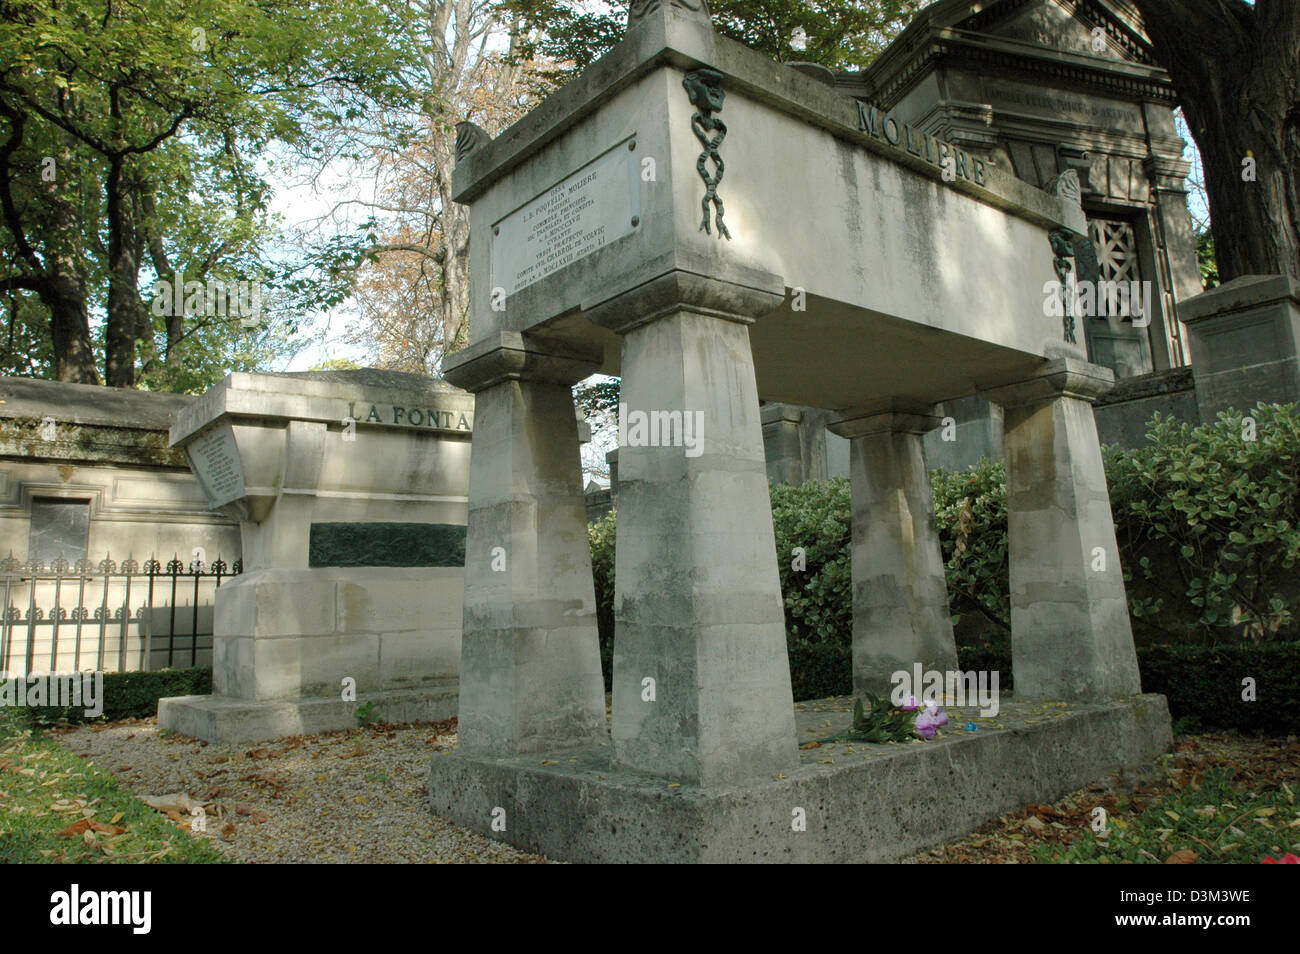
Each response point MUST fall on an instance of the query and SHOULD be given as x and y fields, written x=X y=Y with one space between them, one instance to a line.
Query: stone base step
x=858 y=802
x=226 y=719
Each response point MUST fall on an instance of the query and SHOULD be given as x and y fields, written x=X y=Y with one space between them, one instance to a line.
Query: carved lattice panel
x=1117 y=253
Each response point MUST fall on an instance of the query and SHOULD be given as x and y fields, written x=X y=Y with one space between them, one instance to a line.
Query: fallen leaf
x=179 y=802
x=1184 y=857
x=75 y=829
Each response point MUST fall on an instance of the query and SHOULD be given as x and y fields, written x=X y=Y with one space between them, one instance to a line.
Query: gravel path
x=354 y=796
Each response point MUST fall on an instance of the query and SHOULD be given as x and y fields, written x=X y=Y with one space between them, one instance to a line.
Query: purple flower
x=929 y=721
x=925 y=725
x=911 y=705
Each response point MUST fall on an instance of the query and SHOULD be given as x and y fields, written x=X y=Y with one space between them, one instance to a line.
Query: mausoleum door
x=1118 y=338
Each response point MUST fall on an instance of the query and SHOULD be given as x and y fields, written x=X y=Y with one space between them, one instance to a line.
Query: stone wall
x=1122 y=414
x=106 y=448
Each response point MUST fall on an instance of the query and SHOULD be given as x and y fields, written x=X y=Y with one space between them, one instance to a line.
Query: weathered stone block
x=877 y=803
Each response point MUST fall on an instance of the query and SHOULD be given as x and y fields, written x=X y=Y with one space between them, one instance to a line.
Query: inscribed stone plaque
x=386 y=544
x=59 y=529
x=588 y=210
x=215 y=461
x=1056 y=103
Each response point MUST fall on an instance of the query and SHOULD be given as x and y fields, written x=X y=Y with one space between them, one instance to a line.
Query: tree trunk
x=454 y=307
x=55 y=272
x=1237 y=72
x=63 y=292
x=125 y=310
x=74 y=356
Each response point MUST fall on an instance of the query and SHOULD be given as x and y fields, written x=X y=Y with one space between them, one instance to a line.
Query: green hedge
x=813 y=537
x=819 y=670
x=601 y=536
x=1208 y=524
x=1202 y=683
x=132 y=695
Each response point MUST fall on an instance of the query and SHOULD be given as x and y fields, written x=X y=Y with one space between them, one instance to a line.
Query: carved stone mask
x=1062 y=247
x=704 y=86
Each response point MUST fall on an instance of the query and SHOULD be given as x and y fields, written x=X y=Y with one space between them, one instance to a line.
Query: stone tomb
x=840 y=262
x=349 y=488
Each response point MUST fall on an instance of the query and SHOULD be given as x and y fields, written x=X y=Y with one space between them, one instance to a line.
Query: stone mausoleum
x=90 y=492
x=86 y=473
x=1035 y=88
x=714 y=226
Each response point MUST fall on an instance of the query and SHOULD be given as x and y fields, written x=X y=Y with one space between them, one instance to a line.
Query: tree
x=839 y=34
x=409 y=266
x=131 y=135
x=412 y=290
x=1236 y=67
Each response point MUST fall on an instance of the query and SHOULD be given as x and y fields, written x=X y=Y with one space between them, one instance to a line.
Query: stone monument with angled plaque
x=350 y=492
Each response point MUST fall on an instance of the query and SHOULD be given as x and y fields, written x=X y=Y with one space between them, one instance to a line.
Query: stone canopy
x=713 y=226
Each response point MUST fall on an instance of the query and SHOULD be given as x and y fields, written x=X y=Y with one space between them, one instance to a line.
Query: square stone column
x=1245 y=343
x=530 y=658
x=701 y=674
x=1070 y=631
x=900 y=597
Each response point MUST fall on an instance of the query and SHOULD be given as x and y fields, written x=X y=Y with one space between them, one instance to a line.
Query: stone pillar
x=900 y=599
x=1070 y=632
x=782 y=447
x=1245 y=343
x=530 y=658
x=698 y=598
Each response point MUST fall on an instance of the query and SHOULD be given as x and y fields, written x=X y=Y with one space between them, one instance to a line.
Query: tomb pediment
x=1085 y=27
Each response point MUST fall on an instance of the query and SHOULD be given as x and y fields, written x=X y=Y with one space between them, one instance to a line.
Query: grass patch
x=1212 y=818
x=49 y=798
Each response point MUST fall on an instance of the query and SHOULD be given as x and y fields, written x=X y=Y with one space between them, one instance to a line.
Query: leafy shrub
x=133 y=695
x=970 y=512
x=1204 y=684
x=1208 y=525
x=600 y=535
x=821 y=670
x=818 y=588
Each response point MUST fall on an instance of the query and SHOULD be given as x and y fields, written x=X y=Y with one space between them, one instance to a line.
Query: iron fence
x=123 y=616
